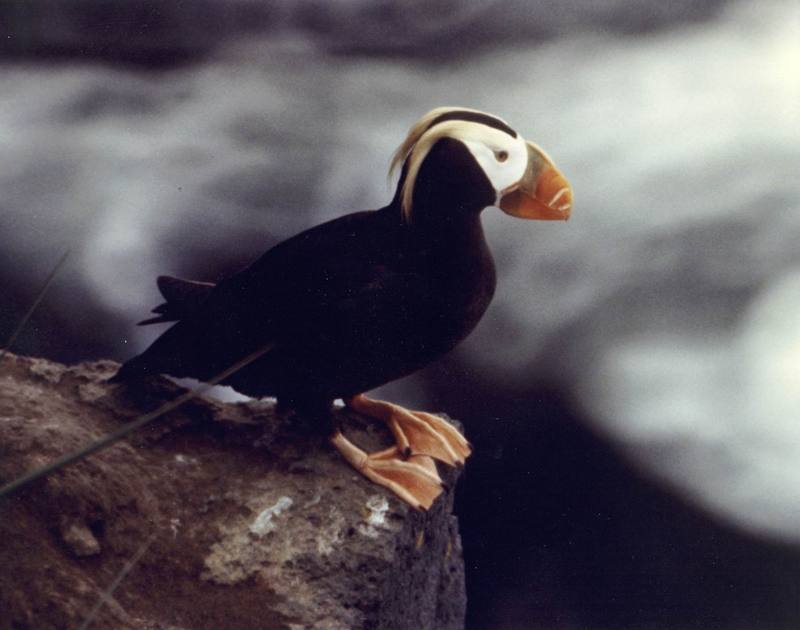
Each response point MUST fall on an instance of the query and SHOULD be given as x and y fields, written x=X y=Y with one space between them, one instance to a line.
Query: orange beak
x=542 y=193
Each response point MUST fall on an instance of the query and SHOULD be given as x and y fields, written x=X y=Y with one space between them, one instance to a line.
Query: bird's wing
x=300 y=291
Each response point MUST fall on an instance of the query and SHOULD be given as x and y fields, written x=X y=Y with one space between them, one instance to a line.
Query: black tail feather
x=156 y=320
x=183 y=298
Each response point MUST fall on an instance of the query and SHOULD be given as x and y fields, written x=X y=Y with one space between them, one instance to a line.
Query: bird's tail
x=183 y=297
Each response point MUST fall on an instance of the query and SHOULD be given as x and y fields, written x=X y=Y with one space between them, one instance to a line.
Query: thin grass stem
x=39 y=297
x=106 y=595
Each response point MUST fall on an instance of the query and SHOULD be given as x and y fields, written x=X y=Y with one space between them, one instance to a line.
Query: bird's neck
x=444 y=200
x=437 y=221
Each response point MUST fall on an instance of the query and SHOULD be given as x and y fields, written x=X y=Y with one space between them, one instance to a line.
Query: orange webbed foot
x=415 y=479
x=416 y=432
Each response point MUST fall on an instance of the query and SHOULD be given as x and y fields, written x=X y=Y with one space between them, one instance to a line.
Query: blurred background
x=633 y=392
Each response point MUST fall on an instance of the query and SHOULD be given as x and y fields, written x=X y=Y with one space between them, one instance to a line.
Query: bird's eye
x=501 y=156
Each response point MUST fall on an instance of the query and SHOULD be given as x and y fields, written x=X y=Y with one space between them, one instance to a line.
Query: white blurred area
x=716 y=414
x=670 y=301
x=673 y=297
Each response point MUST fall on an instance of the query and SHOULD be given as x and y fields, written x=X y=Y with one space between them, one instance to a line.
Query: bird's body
x=367 y=298
x=347 y=306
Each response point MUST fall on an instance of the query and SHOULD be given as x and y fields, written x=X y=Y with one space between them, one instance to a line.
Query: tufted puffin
x=369 y=297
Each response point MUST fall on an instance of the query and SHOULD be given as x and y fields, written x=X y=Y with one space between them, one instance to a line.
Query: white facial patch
x=504 y=161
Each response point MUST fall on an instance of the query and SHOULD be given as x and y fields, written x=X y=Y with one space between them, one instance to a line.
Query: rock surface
x=253 y=520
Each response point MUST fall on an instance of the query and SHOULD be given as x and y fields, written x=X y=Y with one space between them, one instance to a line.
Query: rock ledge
x=255 y=521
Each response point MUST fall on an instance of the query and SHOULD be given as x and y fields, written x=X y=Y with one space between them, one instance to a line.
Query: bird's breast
x=460 y=285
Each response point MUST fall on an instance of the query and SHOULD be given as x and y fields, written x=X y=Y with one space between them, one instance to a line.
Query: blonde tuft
x=417 y=144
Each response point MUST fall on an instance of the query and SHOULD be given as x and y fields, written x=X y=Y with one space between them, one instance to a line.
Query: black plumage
x=348 y=305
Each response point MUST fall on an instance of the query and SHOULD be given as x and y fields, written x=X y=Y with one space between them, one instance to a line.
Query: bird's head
x=467 y=159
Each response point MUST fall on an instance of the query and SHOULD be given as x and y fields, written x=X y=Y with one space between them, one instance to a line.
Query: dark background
x=634 y=391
